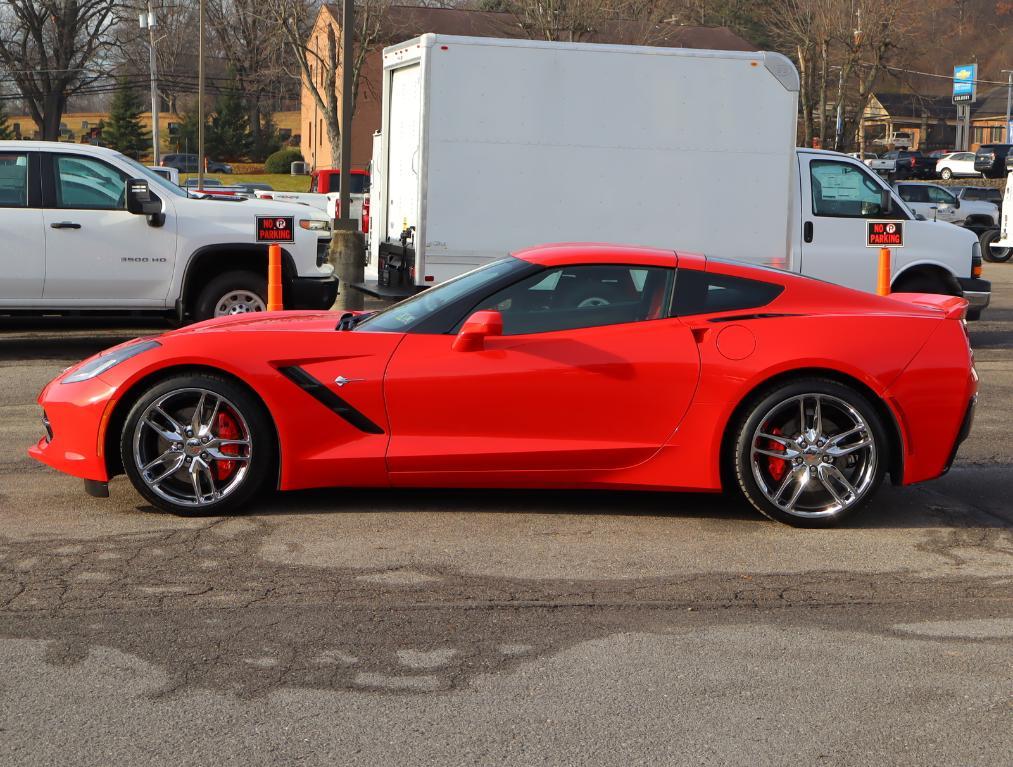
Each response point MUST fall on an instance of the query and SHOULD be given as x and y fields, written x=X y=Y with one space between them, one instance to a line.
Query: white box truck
x=491 y=145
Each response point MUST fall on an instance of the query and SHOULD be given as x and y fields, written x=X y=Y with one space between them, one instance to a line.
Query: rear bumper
x=965 y=431
x=978 y=292
x=311 y=292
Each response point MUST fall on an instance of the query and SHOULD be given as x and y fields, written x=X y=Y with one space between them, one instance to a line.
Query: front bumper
x=977 y=292
x=311 y=292
x=74 y=416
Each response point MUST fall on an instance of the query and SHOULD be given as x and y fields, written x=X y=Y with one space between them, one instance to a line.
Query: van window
x=843 y=190
x=13 y=180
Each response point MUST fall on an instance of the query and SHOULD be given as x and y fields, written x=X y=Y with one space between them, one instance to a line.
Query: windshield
x=144 y=172
x=402 y=316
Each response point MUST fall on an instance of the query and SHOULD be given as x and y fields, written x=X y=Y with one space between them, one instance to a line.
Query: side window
x=843 y=190
x=913 y=193
x=584 y=296
x=13 y=180
x=85 y=183
x=939 y=195
x=699 y=292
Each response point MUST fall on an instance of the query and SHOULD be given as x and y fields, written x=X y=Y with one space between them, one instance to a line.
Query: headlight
x=104 y=362
x=315 y=224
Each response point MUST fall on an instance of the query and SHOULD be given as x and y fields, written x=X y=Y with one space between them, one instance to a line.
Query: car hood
x=244 y=207
x=274 y=322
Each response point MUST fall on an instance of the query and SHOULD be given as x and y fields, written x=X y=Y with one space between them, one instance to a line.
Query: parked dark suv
x=990 y=160
x=187 y=163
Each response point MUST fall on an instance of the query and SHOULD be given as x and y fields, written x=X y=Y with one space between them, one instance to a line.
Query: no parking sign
x=275 y=229
x=884 y=234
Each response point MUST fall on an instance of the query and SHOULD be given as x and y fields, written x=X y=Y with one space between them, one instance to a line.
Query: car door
x=98 y=253
x=838 y=198
x=23 y=255
x=944 y=204
x=964 y=165
x=590 y=374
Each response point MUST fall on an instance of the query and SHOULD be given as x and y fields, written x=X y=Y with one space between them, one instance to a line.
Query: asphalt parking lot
x=445 y=628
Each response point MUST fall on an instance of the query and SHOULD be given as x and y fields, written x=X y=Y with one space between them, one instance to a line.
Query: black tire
x=946 y=174
x=869 y=465
x=237 y=283
x=994 y=255
x=921 y=282
x=248 y=477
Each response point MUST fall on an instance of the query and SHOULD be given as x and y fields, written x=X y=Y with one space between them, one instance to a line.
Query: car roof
x=62 y=146
x=566 y=253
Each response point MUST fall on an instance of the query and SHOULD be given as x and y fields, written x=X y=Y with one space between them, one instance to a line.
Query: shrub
x=281 y=161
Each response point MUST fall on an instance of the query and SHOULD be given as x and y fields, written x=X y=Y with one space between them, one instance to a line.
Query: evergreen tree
x=124 y=130
x=267 y=142
x=228 y=135
x=186 y=133
x=6 y=132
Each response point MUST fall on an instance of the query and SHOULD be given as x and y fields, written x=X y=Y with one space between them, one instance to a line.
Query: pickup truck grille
x=323 y=248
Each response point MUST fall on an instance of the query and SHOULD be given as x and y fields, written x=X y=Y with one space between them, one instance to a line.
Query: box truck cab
x=490 y=145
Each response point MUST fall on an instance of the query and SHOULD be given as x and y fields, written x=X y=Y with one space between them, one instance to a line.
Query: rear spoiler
x=952 y=307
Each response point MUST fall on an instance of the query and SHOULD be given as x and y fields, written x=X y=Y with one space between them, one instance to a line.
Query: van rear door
x=403 y=151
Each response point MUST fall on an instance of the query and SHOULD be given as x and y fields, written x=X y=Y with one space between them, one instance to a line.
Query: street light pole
x=347 y=41
x=200 y=96
x=148 y=21
x=1009 y=102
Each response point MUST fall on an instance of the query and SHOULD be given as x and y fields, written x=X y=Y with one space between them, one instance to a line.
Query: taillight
x=365 y=216
x=912 y=162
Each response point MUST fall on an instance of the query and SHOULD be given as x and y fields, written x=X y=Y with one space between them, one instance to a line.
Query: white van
x=492 y=145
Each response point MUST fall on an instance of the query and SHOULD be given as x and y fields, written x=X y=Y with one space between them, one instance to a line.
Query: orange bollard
x=883 y=285
x=274 y=301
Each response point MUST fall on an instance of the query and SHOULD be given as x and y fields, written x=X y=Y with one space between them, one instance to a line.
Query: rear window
x=704 y=293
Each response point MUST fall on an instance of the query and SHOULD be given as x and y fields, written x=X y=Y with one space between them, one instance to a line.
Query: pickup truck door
x=97 y=253
x=23 y=255
x=838 y=198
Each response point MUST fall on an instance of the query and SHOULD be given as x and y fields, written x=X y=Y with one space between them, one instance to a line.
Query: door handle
x=807 y=231
x=64 y=225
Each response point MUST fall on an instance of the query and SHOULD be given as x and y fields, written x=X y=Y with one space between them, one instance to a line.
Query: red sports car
x=567 y=366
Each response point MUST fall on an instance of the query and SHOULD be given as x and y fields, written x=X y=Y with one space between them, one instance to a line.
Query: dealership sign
x=965 y=89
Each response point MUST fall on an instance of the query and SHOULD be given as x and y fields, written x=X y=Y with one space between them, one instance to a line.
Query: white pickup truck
x=879 y=164
x=87 y=229
x=325 y=192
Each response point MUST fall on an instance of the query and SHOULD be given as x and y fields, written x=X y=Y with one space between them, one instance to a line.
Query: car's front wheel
x=197 y=444
x=810 y=453
x=993 y=254
x=946 y=174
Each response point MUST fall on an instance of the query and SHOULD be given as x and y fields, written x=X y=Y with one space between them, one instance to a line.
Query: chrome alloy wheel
x=192 y=447
x=813 y=455
x=239 y=302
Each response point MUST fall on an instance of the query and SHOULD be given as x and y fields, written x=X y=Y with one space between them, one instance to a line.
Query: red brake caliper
x=776 y=466
x=227 y=429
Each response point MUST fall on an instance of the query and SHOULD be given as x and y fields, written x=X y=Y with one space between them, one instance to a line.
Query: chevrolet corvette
x=562 y=366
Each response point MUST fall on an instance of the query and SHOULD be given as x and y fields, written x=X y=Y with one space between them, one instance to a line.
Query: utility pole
x=148 y=22
x=200 y=96
x=1009 y=103
x=347 y=41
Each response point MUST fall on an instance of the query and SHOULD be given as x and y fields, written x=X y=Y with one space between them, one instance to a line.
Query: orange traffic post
x=274 y=301
x=883 y=285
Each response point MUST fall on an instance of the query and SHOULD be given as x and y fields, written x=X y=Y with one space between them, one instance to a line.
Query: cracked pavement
x=408 y=627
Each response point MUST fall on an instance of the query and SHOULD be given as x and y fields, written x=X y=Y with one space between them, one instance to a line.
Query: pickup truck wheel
x=232 y=293
x=995 y=255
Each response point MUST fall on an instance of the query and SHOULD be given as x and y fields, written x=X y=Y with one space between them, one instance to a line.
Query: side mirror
x=956 y=202
x=885 y=201
x=476 y=329
x=141 y=202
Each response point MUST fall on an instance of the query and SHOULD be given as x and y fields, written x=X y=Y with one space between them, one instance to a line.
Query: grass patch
x=280 y=181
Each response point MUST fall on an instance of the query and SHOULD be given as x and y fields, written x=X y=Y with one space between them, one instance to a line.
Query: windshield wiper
x=349 y=320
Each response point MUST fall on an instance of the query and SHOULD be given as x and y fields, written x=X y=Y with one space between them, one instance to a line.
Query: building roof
x=914 y=106
x=404 y=22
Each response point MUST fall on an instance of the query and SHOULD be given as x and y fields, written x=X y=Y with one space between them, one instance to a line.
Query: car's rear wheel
x=197 y=444
x=810 y=453
x=989 y=253
x=231 y=293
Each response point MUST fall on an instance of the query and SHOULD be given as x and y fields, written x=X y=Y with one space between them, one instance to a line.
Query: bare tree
x=52 y=49
x=312 y=33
